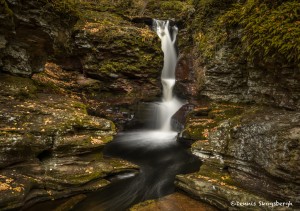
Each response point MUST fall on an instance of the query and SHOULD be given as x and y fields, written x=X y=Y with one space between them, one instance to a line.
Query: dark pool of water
x=160 y=158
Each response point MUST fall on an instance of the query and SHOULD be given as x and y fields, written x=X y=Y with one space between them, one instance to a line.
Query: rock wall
x=31 y=31
x=249 y=152
x=64 y=65
x=228 y=66
x=50 y=146
x=125 y=57
x=231 y=81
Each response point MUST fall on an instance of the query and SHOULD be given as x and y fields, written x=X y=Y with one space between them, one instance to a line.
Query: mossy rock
x=202 y=120
x=245 y=27
x=17 y=86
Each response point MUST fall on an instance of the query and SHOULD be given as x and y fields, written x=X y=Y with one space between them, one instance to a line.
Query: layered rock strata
x=249 y=154
x=50 y=146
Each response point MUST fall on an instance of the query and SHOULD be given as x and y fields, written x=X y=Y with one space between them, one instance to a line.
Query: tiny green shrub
x=4 y=9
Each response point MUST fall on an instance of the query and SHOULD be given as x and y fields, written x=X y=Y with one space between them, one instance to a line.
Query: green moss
x=78 y=179
x=209 y=35
x=196 y=130
x=159 y=9
x=201 y=121
x=173 y=9
x=270 y=32
x=80 y=105
x=65 y=7
x=4 y=9
x=210 y=171
x=220 y=112
x=18 y=86
x=145 y=205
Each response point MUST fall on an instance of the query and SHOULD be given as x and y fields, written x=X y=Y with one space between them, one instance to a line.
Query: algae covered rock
x=175 y=201
x=253 y=149
x=50 y=146
x=115 y=51
x=243 y=51
x=216 y=191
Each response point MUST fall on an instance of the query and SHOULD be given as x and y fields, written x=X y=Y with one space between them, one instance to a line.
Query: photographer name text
x=261 y=204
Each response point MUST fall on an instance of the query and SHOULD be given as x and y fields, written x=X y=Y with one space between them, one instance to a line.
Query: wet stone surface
x=252 y=149
x=50 y=146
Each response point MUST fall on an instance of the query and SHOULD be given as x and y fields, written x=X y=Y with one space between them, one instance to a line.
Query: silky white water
x=154 y=149
x=170 y=104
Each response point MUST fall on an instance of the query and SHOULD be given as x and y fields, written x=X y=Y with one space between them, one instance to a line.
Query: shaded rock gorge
x=50 y=146
x=168 y=158
x=74 y=74
x=245 y=89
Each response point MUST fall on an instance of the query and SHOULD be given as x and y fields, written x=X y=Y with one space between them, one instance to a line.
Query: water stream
x=170 y=104
x=156 y=151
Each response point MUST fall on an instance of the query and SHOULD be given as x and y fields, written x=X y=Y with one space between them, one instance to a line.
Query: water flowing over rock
x=170 y=103
x=105 y=60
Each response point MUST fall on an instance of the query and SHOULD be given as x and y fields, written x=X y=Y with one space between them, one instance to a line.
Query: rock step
x=222 y=193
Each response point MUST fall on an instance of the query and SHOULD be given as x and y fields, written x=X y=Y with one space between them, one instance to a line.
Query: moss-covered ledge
x=249 y=153
x=50 y=147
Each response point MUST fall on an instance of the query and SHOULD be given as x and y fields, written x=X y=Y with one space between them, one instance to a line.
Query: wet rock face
x=126 y=58
x=30 y=32
x=175 y=201
x=185 y=86
x=223 y=68
x=228 y=79
x=250 y=148
x=49 y=146
x=248 y=151
x=217 y=192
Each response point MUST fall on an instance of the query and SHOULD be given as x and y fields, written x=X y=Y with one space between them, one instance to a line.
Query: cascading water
x=156 y=152
x=170 y=103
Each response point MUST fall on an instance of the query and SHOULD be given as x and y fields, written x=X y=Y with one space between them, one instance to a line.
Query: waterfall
x=170 y=104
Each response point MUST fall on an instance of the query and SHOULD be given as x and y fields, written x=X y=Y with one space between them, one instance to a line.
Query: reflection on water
x=160 y=158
